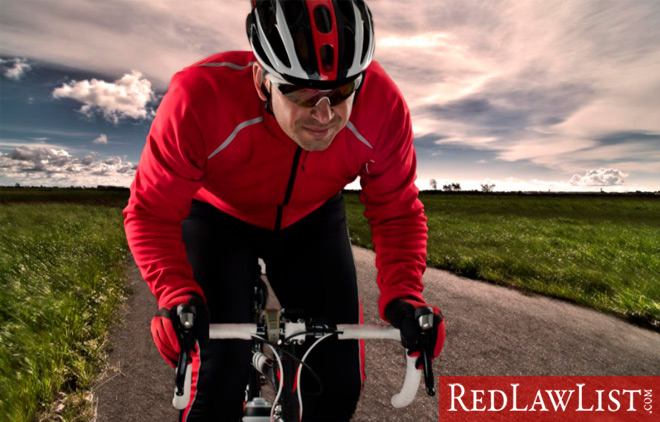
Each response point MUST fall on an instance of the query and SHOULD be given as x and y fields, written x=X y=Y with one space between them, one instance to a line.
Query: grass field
x=61 y=278
x=598 y=251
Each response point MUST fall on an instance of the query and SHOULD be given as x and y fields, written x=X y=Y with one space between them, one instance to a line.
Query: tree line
x=455 y=187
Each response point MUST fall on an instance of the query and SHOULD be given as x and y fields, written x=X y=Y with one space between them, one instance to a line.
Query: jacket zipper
x=289 y=188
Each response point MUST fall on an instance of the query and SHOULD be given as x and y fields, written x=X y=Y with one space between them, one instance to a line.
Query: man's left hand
x=404 y=314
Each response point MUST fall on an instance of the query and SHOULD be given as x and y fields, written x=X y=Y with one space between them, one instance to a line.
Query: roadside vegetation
x=600 y=251
x=61 y=279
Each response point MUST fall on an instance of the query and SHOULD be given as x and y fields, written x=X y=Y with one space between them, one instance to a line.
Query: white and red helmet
x=319 y=44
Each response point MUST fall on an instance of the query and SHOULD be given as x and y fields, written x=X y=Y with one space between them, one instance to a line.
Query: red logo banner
x=582 y=399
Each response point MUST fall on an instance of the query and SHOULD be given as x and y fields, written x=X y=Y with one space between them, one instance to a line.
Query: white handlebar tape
x=355 y=332
x=346 y=332
x=410 y=384
x=293 y=328
x=234 y=331
x=180 y=402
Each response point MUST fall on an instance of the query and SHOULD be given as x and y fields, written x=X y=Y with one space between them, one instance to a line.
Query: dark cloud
x=626 y=137
x=500 y=109
x=480 y=111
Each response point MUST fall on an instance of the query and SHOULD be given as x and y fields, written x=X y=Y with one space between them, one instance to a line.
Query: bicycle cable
x=281 y=383
x=298 y=361
x=299 y=372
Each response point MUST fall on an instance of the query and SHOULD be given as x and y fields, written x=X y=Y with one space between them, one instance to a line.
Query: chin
x=314 y=144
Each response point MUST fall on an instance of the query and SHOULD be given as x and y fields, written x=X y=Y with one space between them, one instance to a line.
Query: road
x=491 y=330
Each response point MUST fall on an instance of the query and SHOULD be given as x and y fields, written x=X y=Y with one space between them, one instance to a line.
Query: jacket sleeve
x=168 y=175
x=395 y=213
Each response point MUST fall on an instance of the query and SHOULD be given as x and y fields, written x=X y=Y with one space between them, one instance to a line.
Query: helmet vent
x=304 y=52
x=293 y=11
x=267 y=16
x=327 y=57
x=323 y=20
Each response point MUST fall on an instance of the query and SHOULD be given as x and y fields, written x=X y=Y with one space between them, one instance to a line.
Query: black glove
x=404 y=314
x=166 y=327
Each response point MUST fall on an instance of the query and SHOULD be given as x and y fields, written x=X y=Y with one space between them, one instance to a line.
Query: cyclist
x=247 y=157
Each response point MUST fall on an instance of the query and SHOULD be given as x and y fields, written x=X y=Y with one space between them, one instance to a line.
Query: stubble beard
x=309 y=141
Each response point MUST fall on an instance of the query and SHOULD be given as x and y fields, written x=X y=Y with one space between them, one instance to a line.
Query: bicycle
x=281 y=331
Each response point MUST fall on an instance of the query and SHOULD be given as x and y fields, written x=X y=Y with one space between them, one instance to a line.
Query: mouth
x=317 y=132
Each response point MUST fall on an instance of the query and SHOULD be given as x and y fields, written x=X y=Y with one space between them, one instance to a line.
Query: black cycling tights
x=310 y=267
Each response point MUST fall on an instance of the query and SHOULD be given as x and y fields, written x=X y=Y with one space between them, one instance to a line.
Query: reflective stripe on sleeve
x=228 y=64
x=234 y=133
x=357 y=134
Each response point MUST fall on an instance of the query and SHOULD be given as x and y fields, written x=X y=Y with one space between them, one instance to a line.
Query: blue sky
x=526 y=95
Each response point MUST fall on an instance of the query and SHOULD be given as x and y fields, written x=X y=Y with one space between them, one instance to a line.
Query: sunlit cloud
x=101 y=140
x=416 y=41
x=34 y=166
x=128 y=96
x=15 y=68
x=599 y=177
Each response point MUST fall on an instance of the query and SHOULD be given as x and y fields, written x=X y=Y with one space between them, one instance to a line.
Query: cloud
x=538 y=83
x=599 y=177
x=158 y=37
x=528 y=76
x=101 y=140
x=127 y=97
x=15 y=68
x=57 y=167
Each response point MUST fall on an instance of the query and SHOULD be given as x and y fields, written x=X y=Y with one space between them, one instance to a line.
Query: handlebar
x=343 y=331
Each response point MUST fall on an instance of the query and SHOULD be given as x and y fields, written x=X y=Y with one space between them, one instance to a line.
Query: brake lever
x=185 y=319
x=427 y=367
x=425 y=318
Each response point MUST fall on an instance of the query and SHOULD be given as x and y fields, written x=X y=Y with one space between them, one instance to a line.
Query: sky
x=521 y=94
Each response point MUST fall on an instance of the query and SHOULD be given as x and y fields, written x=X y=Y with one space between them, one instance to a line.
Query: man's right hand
x=165 y=332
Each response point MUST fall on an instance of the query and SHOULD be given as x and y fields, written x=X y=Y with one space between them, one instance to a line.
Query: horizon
x=524 y=95
x=349 y=189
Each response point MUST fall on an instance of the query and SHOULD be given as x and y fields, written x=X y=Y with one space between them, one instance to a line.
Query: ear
x=257 y=73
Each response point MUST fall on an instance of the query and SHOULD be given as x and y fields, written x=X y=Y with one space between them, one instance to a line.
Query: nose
x=322 y=111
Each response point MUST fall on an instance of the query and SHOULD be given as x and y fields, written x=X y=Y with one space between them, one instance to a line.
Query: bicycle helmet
x=319 y=44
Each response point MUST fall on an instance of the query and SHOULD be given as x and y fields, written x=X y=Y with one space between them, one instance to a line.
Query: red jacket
x=212 y=140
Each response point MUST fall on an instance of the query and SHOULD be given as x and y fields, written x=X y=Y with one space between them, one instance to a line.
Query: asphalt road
x=491 y=330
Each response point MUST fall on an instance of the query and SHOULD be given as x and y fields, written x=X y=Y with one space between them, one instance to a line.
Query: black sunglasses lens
x=306 y=97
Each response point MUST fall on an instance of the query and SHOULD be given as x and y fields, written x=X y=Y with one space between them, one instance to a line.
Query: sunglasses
x=307 y=97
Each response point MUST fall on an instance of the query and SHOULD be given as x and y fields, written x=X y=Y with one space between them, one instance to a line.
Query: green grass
x=598 y=251
x=61 y=279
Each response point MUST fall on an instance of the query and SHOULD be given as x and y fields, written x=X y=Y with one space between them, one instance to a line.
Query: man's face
x=312 y=128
